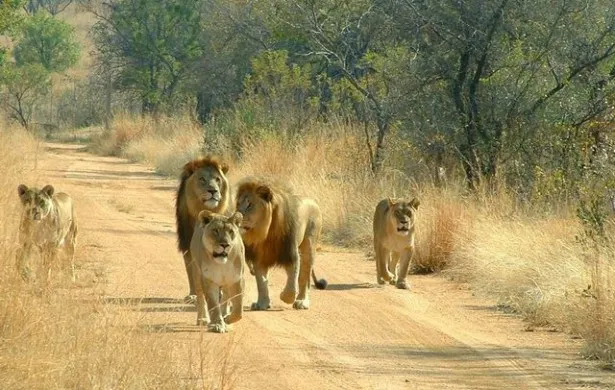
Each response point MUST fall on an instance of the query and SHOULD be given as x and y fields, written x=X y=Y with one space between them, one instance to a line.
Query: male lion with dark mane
x=203 y=186
x=394 y=239
x=48 y=224
x=279 y=229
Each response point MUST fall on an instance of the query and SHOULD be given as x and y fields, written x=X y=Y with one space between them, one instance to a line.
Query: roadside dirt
x=355 y=335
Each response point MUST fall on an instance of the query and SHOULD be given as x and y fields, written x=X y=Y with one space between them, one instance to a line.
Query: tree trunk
x=203 y=107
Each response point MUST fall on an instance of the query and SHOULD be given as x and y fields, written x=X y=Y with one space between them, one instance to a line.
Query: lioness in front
x=279 y=229
x=218 y=257
x=203 y=186
x=47 y=223
x=394 y=239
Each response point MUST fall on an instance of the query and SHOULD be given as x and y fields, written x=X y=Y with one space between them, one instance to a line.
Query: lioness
x=218 y=256
x=47 y=223
x=203 y=186
x=279 y=229
x=394 y=238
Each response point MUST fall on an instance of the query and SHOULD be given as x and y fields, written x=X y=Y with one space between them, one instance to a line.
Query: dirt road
x=355 y=335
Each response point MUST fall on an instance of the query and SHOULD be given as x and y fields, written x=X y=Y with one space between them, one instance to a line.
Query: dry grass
x=60 y=335
x=165 y=144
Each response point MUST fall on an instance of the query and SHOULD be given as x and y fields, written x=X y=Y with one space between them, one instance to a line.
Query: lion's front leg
x=292 y=280
x=212 y=294
x=235 y=294
x=263 y=302
x=392 y=268
x=190 y=298
x=404 y=265
x=383 y=256
x=202 y=314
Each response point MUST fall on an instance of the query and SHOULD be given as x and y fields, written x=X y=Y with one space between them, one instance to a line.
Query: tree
x=10 y=19
x=495 y=76
x=25 y=85
x=54 y=7
x=150 y=45
x=339 y=36
x=49 y=42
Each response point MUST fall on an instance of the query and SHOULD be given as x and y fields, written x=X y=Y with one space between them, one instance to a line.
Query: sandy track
x=355 y=335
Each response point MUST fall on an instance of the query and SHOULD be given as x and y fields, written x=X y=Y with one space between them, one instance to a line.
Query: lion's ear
x=390 y=202
x=48 y=190
x=224 y=167
x=414 y=203
x=22 y=189
x=205 y=216
x=187 y=170
x=265 y=193
x=236 y=218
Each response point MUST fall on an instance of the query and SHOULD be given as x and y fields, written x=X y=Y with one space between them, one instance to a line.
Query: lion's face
x=210 y=185
x=219 y=233
x=37 y=204
x=402 y=215
x=257 y=210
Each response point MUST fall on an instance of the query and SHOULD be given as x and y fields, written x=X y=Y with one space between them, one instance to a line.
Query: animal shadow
x=350 y=286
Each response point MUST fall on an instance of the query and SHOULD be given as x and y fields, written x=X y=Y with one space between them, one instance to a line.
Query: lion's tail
x=320 y=284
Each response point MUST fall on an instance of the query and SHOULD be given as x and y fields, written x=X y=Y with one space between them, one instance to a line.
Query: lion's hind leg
x=308 y=252
x=71 y=245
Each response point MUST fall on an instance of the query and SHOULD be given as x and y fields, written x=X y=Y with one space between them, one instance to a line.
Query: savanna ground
x=123 y=324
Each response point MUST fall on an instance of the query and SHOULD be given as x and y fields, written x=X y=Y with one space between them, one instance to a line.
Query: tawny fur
x=198 y=177
x=279 y=229
x=394 y=236
x=48 y=223
x=218 y=257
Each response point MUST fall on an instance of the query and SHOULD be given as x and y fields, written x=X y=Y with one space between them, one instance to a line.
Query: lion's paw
x=256 y=306
x=232 y=318
x=301 y=304
x=218 y=328
x=403 y=285
x=288 y=296
x=190 y=298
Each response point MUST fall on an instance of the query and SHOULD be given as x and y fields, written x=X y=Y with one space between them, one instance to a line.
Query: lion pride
x=203 y=186
x=279 y=229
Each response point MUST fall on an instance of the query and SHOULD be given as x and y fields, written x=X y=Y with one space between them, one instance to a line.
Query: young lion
x=279 y=229
x=394 y=239
x=48 y=223
x=218 y=257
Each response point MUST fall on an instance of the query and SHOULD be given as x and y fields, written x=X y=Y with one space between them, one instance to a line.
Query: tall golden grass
x=531 y=265
x=63 y=336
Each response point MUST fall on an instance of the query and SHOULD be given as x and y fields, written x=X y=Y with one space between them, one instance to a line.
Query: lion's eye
x=218 y=179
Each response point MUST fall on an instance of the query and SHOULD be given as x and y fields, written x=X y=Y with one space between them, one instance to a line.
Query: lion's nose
x=224 y=245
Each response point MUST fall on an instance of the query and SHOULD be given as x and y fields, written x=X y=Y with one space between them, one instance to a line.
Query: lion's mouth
x=403 y=229
x=220 y=255
x=212 y=200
